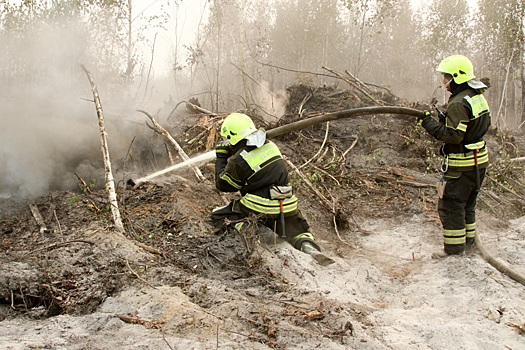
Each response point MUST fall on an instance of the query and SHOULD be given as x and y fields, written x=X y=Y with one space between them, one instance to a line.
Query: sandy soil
x=386 y=294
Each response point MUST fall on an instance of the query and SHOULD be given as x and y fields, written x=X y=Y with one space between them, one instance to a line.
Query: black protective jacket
x=467 y=119
x=236 y=174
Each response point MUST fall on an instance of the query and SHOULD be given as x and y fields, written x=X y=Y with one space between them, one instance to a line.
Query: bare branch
x=158 y=128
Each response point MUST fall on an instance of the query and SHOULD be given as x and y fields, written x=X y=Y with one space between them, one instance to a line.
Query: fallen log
x=356 y=83
x=191 y=106
x=153 y=324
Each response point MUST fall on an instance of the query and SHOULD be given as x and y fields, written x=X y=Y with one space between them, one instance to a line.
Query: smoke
x=44 y=143
x=48 y=124
x=272 y=104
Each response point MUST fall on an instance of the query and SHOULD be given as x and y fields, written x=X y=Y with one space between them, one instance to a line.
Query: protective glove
x=441 y=115
x=222 y=149
x=424 y=115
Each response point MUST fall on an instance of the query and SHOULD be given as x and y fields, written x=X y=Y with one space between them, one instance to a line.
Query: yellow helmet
x=236 y=127
x=459 y=67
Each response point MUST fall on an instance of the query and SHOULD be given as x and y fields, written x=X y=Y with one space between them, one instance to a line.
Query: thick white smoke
x=48 y=123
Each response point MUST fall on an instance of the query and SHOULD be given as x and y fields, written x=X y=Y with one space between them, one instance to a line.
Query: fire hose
x=348 y=113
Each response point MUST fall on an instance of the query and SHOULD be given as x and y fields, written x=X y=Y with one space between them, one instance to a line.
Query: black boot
x=449 y=250
x=266 y=235
x=323 y=260
x=470 y=246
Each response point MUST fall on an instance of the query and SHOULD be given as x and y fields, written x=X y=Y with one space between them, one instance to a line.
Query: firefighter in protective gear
x=249 y=163
x=465 y=154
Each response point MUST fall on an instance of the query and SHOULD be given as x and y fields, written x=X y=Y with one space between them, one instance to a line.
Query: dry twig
x=520 y=327
x=158 y=128
x=58 y=224
x=137 y=275
x=84 y=184
x=155 y=324
x=320 y=149
x=303 y=102
x=324 y=200
x=38 y=218
x=62 y=244
x=350 y=148
x=356 y=83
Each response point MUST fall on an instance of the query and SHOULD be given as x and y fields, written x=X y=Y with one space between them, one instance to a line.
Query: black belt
x=448 y=149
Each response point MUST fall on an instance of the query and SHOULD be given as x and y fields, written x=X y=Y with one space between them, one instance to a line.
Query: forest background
x=240 y=55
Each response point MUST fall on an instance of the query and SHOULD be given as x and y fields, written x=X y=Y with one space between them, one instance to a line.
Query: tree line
x=245 y=52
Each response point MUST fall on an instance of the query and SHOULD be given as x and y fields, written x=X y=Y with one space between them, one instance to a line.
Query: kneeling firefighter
x=249 y=163
x=465 y=156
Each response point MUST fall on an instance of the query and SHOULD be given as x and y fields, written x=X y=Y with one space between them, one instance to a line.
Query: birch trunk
x=110 y=183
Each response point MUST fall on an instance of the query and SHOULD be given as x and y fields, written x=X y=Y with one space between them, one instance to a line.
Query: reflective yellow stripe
x=454 y=241
x=459 y=160
x=268 y=206
x=462 y=127
x=260 y=155
x=303 y=235
x=269 y=202
x=471 y=230
x=454 y=236
x=477 y=145
x=455 y=233
x=255 y=159
x=259 y=168
x=479 y=104
x=226 y=177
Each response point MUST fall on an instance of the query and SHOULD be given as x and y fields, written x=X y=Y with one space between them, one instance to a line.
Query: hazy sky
x=188 y=14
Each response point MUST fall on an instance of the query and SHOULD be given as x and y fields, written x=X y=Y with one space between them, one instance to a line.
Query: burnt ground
x=368 y=168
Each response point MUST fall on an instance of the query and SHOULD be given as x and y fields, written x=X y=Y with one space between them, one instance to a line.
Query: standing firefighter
x=249 y=163
x=461 y=128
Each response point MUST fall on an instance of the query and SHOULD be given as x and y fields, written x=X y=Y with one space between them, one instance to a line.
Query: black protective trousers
x=297 y=229
x=457 y=210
